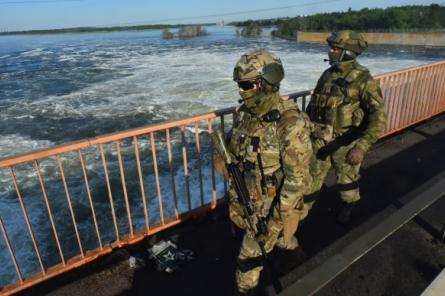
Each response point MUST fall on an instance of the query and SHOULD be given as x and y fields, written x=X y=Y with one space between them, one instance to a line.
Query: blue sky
x=47 y=14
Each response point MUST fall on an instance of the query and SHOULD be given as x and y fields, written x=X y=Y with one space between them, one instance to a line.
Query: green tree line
x=97 y=29
x=403 y=18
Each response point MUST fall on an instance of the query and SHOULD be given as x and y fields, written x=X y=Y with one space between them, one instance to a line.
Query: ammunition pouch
x=344 y=116
x=357 y=117
x=349 y=115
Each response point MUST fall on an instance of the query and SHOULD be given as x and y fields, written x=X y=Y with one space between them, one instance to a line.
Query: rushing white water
x=60 y=88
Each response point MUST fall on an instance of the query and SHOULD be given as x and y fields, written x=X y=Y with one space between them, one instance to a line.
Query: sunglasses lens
x=245 y=85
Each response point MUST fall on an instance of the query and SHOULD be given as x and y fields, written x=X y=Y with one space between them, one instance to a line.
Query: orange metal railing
x=137 y=199
x=413 y=95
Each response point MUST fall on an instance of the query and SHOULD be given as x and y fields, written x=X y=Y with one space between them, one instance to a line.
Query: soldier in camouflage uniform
x=348 y=101
x=271 y=140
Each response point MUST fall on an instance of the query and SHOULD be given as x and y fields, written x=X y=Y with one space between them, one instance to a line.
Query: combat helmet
x=259 y=66
x=348 y=40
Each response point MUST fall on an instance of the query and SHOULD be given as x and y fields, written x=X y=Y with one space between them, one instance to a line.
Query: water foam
x=20 y=144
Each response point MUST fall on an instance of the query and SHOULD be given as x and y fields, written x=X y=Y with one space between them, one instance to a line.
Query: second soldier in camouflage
x=348 y=101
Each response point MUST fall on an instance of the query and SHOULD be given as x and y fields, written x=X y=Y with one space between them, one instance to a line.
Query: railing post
x=68 y=198
x=48 y=208
x=198 y=153
x=28 y=224
x=186 y=172
x=11 y=252
x=409 y=97
x=172 y=172
x=224 y=136
x=124 y=187
x=141 y=182
x=110 y=195
x=90 y=199
x=416 y=95
x=158 y=183
x=210 y=130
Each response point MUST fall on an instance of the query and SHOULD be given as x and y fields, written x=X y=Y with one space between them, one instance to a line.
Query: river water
x=59 y=88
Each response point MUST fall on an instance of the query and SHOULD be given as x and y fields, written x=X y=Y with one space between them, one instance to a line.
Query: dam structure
x=422 y=39
x=148 y=196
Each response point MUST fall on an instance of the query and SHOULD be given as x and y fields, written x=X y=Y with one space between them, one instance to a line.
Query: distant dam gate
x=428 y=39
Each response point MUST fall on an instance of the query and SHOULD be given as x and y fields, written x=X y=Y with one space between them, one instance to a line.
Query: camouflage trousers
x=281 y=230
x=346 y=174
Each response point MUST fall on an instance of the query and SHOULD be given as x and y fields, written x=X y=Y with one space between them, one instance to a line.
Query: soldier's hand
x=355 y=156
x=274 y=228
x=220 y=166
x=317 y=144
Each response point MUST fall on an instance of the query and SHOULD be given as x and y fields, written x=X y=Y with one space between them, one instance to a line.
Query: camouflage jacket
x=347 y=97
x=285 y=150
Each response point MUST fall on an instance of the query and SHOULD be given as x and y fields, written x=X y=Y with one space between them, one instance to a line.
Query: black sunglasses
x=246 y=85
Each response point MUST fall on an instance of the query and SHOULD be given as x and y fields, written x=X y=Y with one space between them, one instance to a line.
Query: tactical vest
x=255 y=144
x=336 y=100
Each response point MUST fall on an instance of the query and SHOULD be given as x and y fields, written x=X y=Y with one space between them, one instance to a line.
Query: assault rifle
x=255 y=223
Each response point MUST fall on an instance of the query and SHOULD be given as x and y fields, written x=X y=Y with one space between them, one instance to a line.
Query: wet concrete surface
x=404 y=264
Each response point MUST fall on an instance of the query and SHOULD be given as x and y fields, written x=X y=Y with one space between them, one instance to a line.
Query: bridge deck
x=404 y=264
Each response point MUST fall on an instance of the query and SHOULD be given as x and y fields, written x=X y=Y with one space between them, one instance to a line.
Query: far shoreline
x=82 y=30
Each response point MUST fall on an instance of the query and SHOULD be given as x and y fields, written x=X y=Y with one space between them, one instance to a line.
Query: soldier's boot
x=287 y=260
x=344 y=216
